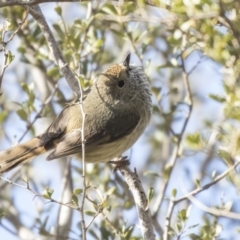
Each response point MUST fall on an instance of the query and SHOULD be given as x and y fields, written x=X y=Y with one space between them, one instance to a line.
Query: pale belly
x=108 y=151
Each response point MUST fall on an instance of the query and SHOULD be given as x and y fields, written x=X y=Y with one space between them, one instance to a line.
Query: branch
x=35 y=2
x=190 y=195
x=141 y=201
x=54 y=48
x=214 y=211
x=38 y=194
x=208 y=185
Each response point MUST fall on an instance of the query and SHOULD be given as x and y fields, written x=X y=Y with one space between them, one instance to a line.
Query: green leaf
x=174 y=192
x=22 y=114
x=89 y=213
x=47 y=193
x=193 y=139
x=150 y=173
x=53 y=72
x=21 y=49
x=59 y=30
x=226 y=156
x=110 y=191
x=198 y=183
x=2 y=213
x=110 y=9
x=10 y=57
x=183 y=215
x=193 y=226
x=58 y=10
x=75 y=200
x=150 y=194
x=217 y=98
x=77 y=191
x=25 y=88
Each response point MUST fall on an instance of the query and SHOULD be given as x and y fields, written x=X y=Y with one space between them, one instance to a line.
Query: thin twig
x=38 y=194
x=208 y=185
x=111 y=225
x=5 y=65
x=214 y=211
x=94 y=217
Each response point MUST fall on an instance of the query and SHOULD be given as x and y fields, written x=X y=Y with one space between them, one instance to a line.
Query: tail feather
x=19 y=154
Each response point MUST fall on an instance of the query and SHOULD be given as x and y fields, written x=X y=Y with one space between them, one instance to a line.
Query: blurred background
x=190 y=51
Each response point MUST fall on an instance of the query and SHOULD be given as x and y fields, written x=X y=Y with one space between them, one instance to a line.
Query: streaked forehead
x=115 y=70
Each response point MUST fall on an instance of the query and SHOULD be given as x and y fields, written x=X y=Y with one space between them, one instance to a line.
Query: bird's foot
x=119 y=162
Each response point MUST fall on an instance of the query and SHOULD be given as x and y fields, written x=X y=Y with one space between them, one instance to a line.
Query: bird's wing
x=110 y=131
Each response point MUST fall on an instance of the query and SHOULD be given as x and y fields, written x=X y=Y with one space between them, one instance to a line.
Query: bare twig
x=83 y=168
x=94 y=217
x=5 y=65
x=38 y=194
x=111 y=225
x=190 y=195
x=214 y=211
x=141 y=201
x=208 y=185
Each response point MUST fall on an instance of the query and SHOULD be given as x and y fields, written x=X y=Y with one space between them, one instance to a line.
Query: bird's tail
x=19 y=154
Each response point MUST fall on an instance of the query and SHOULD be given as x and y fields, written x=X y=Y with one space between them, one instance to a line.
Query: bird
x=117 y=110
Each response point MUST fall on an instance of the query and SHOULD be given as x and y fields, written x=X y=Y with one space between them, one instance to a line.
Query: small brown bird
x=117 y=108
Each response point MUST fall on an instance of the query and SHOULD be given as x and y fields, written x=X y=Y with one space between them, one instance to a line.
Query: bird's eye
x=121 y=84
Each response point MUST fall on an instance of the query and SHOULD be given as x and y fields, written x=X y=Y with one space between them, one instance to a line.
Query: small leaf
x=25 y=88
x=174 y=192
x=226 y=156
x=198 y=183
x=110 y=9
x=52 y=72
x=193 y=139
x=77 y=191
x=58 y=10
x=193 y=226
x=217 y=98
x=110 y=191
x=150 y=194
x=150 y=173
x=47 y=193
x=183 y=215
x=2 y=213
x=59 y=30
x=22 y=114
x=89 y=213
x=75 y=200
x=228 y=205
x=10 y=57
